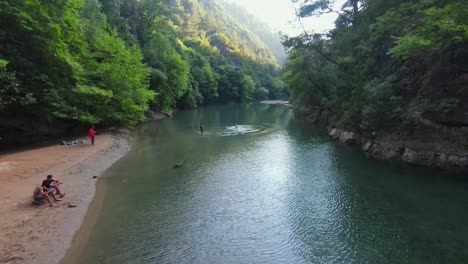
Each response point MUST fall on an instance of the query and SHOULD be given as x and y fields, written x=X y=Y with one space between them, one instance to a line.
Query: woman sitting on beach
x=39 y=195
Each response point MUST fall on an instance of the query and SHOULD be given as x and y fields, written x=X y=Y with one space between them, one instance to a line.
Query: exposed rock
x=381 y=150
x=409 y=156
x=367 y=145
x=440 y=159
x=463 y=161
x=439 y=136
x=343 y=136
x=349 y=137
x=386 y=149
x=168 y=114
x=454 y=160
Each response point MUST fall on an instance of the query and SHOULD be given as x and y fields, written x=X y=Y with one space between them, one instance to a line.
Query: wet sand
x=42 y=234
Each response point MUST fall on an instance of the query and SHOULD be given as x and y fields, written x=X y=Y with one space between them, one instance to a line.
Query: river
x=264 y=185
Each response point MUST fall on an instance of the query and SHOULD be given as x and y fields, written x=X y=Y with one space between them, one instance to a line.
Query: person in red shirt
x=91 y=134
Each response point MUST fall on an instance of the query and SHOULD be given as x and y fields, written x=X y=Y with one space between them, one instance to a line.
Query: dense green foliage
x=368 y=69
x=62 y=61
x=109 y=61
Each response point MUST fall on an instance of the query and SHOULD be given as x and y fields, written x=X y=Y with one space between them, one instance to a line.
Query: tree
x=247 y=88
x=348 y=13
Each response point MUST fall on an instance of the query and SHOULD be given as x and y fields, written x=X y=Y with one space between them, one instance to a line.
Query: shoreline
x=275 y=102
x=430 y=154
x=40 y=234
x=83 y=233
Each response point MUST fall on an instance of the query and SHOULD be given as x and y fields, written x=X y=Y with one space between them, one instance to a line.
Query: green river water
x=273 y=189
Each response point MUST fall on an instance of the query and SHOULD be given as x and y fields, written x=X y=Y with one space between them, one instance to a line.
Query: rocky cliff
x=434 y=154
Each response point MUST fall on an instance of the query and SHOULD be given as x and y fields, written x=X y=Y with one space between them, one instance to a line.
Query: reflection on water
x=283 y=193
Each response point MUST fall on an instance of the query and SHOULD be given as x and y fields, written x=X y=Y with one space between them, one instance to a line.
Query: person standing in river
x=91 y=134
x=201 y=128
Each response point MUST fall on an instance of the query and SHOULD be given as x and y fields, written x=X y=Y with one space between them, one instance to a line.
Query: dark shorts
x=38 y=197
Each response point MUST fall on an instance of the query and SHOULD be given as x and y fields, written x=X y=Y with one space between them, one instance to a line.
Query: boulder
x=409 y=156
x=349 y=137
x=367 y=145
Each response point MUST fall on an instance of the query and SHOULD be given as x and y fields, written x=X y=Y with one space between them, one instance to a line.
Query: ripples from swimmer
x=284 y=194
x=235 y=130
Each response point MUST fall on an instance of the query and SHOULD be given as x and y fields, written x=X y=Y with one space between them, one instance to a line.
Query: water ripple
x=282 y=195
x=236 y=130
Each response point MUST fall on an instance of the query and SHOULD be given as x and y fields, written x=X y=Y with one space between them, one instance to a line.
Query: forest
x=397 y=66
x=72 y=63
x=388 y=67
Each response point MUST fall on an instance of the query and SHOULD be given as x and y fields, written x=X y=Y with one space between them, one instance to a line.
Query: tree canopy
x=110 y=61
x=386 y=64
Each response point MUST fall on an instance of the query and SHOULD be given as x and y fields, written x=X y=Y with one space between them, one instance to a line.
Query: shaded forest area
x=392 y=70
x=65 y=64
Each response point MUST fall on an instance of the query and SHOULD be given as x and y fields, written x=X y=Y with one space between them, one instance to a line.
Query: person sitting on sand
x=52 y=184
x=39 y=195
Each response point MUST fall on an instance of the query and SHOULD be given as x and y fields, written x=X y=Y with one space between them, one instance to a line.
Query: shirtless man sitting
x=39 y=195
x=53 y=184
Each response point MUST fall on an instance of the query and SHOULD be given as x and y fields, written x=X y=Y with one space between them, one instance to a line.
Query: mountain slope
x=209 y=19
x=260 y=29
x=66 y=64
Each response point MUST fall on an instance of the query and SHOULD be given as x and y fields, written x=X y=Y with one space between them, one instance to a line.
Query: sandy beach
x=42 y=234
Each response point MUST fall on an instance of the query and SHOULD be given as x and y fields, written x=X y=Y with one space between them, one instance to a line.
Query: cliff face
x=434 y=154
x=436 y=91
x=441 y=82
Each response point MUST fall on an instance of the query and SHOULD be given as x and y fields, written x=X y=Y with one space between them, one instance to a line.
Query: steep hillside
x=262 y=31
x=394 y=73
x=208 y=19
x=233 y=51
x=68 y=64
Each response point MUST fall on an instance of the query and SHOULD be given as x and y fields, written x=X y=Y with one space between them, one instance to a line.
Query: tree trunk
x=355 y=8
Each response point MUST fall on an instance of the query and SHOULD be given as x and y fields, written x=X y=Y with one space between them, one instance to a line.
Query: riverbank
x=431 y=145
x=432 y=152
x=275 y=102
x=41 y=234
x=235 y=198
